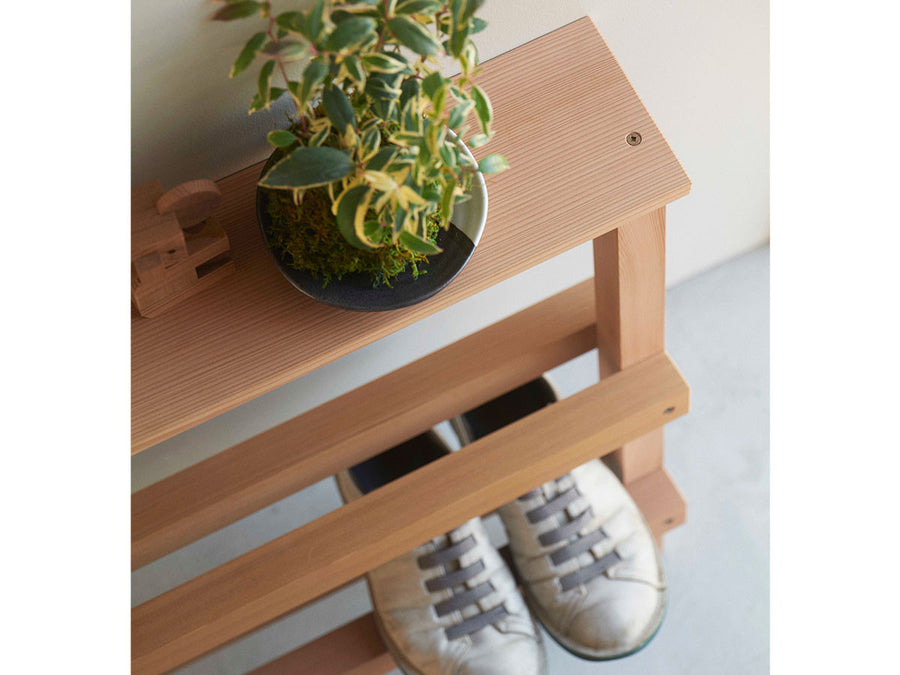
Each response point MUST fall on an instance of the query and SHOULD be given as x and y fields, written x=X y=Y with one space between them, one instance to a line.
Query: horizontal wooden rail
x=299 y=452
x=272 y=580
x=353 y=648
x=357 y=649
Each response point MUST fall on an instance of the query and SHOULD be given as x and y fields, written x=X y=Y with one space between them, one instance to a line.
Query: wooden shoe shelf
x=568 y=120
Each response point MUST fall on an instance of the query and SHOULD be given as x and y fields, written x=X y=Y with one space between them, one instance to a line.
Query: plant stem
x=281 y=68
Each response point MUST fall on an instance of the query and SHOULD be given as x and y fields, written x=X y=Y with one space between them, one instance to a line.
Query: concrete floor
x=718 y=455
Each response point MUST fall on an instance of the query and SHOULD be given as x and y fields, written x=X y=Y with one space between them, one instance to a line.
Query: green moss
x=307 y=238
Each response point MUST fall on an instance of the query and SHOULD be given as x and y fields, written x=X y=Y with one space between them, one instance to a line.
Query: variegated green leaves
x=376 y=122
x=412 y=34
x=309 y=167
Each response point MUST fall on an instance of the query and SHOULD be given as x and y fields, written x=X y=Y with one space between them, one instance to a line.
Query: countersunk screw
x=634 y=138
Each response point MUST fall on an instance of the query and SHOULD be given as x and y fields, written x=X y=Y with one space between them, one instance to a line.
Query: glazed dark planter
x=355 y=291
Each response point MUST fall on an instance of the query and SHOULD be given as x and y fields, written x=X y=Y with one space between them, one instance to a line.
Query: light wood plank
x=660 y=501
x=255 y=332
x=357 y=647
x=284 y=574
x=630 y=278
x=312 y=446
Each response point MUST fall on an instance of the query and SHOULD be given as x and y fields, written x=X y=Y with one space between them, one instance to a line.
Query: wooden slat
x=660 y=501
x=276 y=463
x=284 y=574
x=561 y=122
x=357 y=648
x=630 y=278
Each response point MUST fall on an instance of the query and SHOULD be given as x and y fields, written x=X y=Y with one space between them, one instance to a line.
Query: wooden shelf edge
x=273 y=465
x=288 y=572
x=357 y=649
x=254 y=332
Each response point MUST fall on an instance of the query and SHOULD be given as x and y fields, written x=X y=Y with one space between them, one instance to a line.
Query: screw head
x=633 y=138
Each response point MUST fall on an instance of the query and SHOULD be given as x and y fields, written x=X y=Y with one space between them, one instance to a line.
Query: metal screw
x=634 y=138
x=669 y=410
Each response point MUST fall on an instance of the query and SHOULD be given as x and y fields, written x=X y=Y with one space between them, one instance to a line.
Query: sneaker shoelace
x=454 y=578
x=570 y=531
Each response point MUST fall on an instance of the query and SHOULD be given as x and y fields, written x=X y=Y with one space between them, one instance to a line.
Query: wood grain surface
x=301 y=451
x=562 y=107
x=357 y=649
x=630 y=284
x=276 y=578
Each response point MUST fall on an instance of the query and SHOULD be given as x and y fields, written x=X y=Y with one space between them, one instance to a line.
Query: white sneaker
x=588 y=562
x=449 y=606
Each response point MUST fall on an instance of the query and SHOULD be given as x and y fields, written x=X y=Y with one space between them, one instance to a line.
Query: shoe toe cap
x=619 y=622
x=518 y=654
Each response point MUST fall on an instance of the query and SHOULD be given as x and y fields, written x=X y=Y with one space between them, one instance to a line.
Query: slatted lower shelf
x=277 y=578
x=291 y=456
x=357 y=649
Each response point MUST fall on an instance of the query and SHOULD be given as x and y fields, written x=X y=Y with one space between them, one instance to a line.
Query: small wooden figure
x=177 y=248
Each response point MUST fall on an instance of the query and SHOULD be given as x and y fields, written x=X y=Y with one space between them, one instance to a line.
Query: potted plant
x=371 y=199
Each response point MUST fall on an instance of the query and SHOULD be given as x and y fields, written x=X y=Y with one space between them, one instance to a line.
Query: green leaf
x=447 y=155
x=477 y=25
x=409 y=89
x=446 y=208
x=263 y=101
x=265 y=77
x=351 y=214
x=313 y=75
x=285 y=50
x=458 y=37
x=338 y=108
x=470 y=7
x=382 y=158
x=414 y=35
x=482 y=108
x=399 y=221
x=383 y=63
x=418 y=6
x=308 y=167
x=293 y=22
x=236 y=10
x=432 y=83
x=371 y=142
x=248 y=53
x=376 y=87
x=355 y=70
x=281 y=138
x=373 y=231
x=315 y=20
x=459 y=113
x=351 y=32
x=493 y=164
x=478 y=140
x=417 y=244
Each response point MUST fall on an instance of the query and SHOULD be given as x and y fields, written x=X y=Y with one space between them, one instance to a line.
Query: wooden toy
x=177 y=248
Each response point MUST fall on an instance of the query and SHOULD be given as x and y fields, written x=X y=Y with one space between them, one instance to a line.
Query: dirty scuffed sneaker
x=449 y=606
x=590 y=567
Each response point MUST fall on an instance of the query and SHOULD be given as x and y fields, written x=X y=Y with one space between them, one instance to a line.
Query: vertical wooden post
x=630 y=287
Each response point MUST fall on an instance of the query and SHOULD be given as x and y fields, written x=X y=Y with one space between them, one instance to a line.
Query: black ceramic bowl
x=355 y=291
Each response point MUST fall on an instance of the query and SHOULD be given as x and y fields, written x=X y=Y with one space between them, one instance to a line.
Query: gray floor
x=717 y=564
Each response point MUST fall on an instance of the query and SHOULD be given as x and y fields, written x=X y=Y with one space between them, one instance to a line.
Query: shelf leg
x=630 y=292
